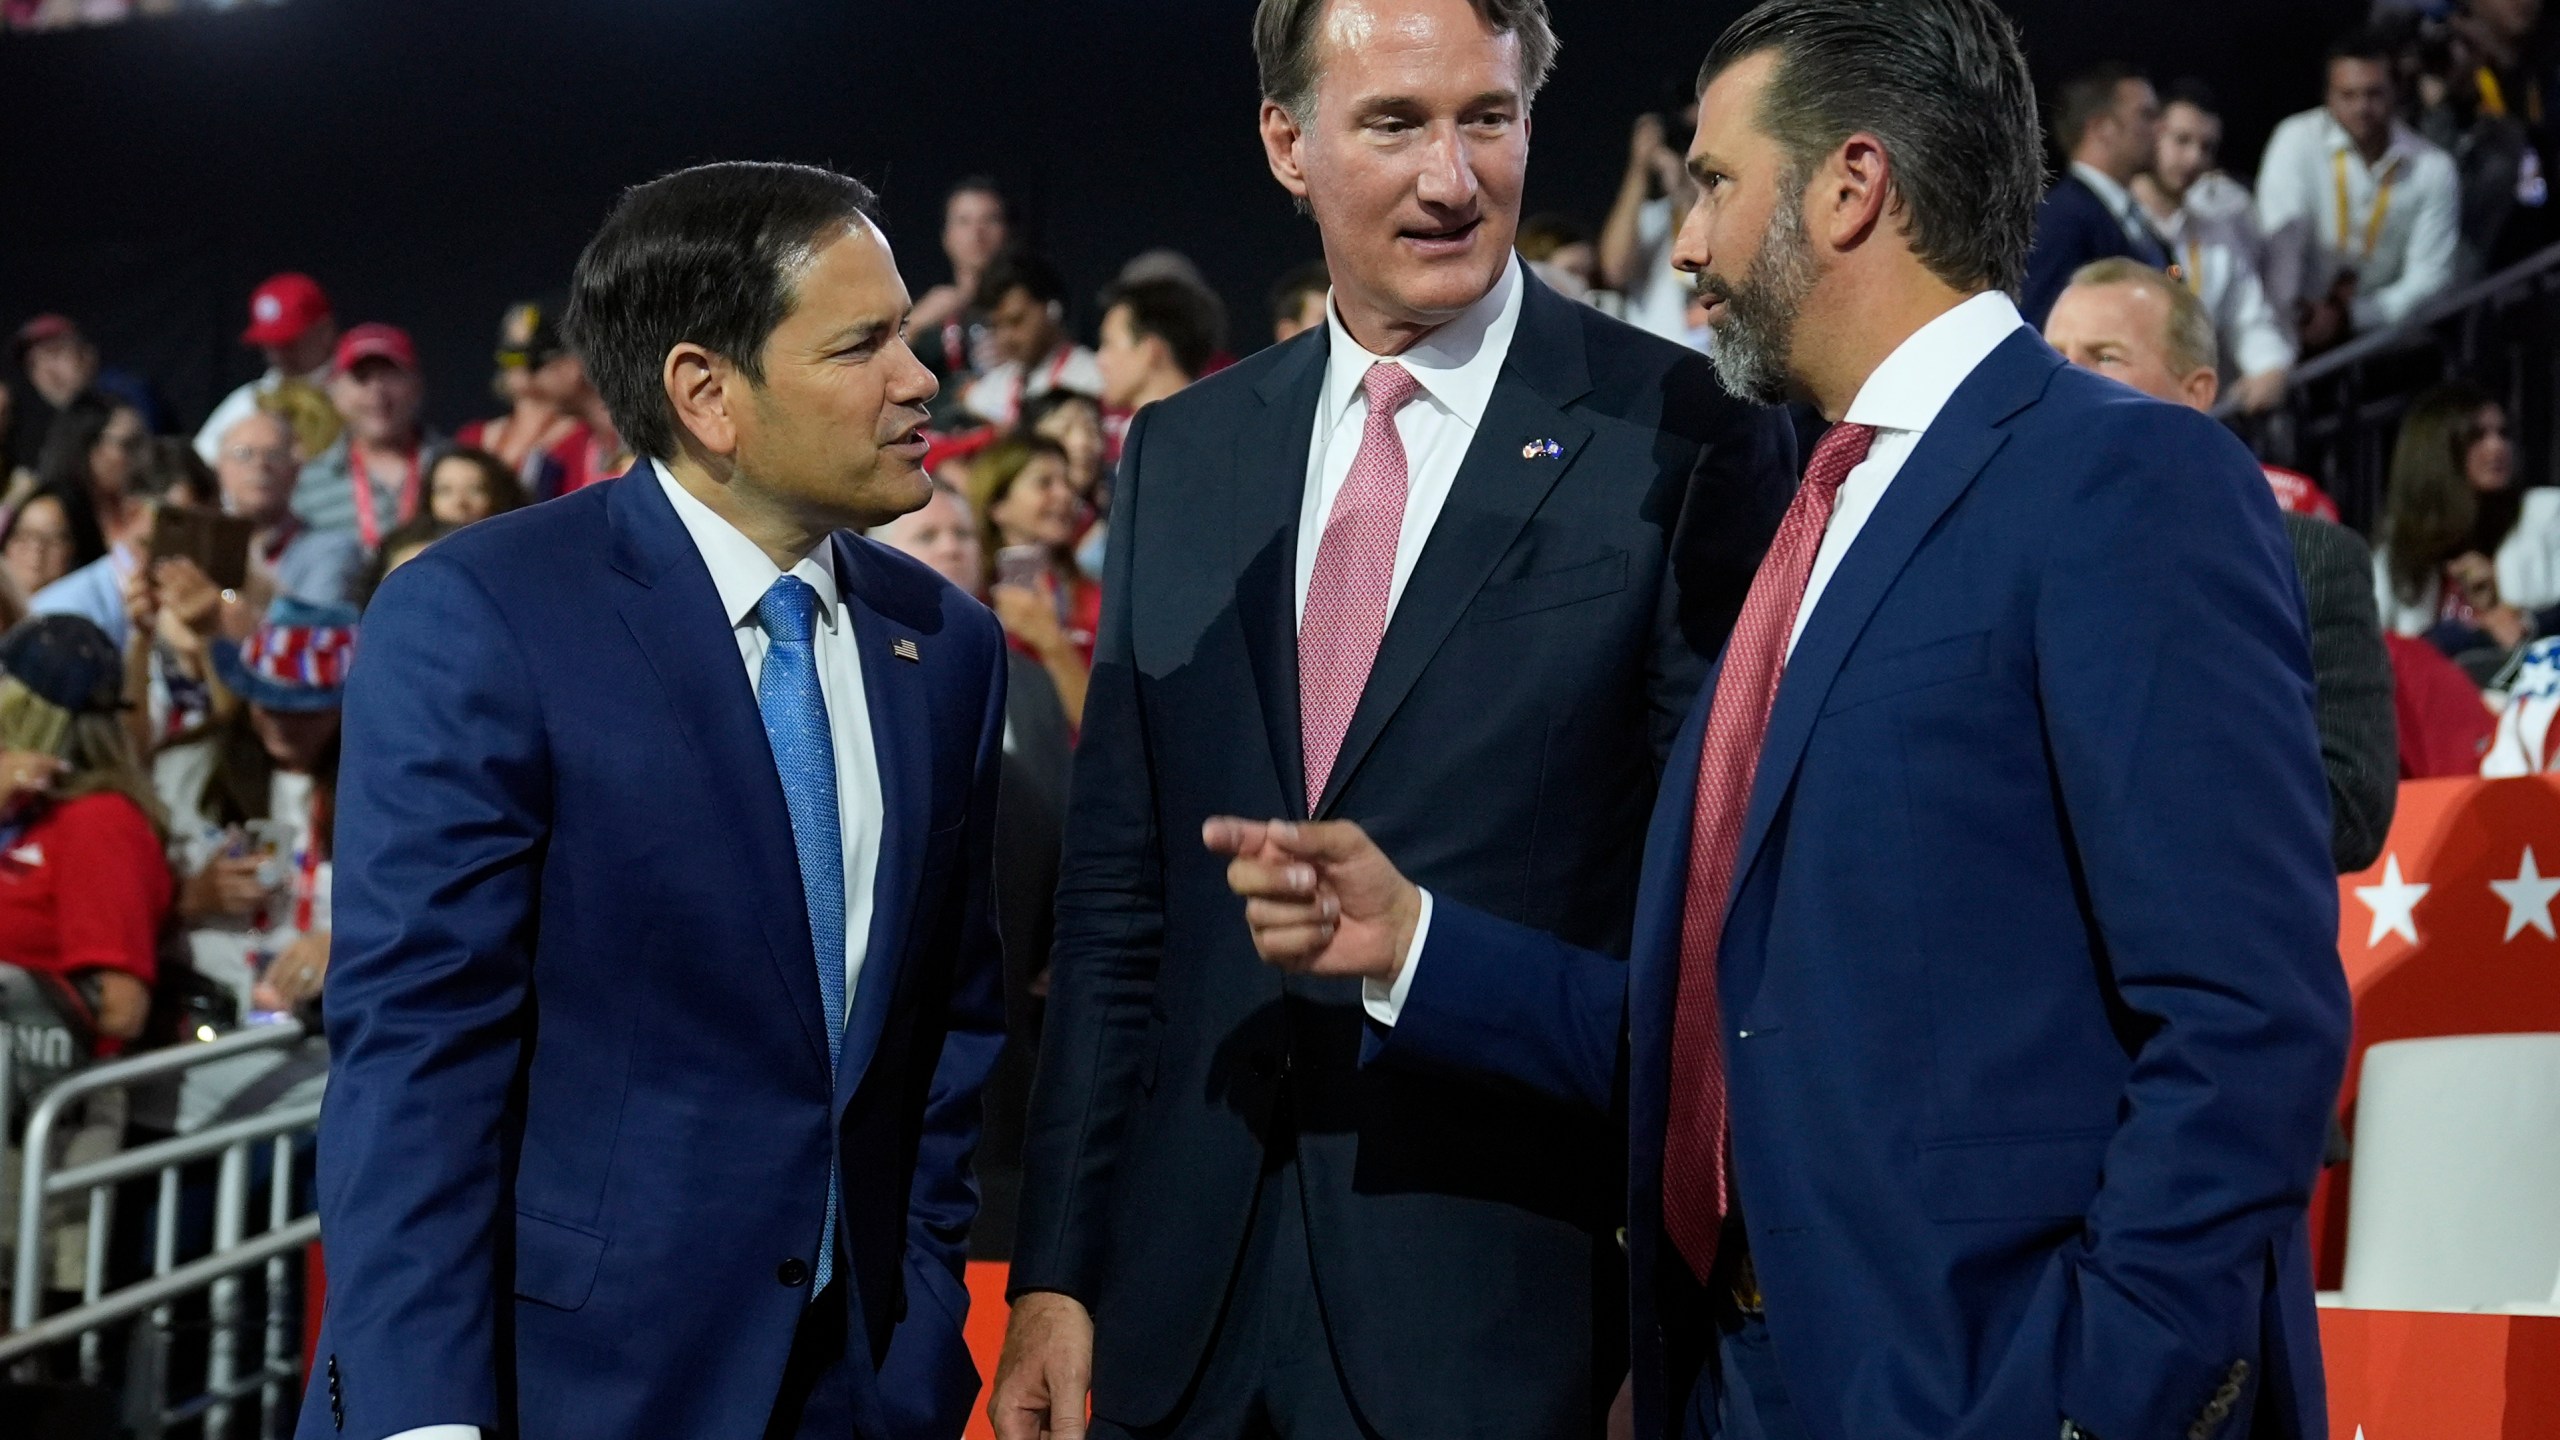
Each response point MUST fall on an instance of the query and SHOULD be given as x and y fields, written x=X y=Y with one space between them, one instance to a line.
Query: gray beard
x=1756 y=338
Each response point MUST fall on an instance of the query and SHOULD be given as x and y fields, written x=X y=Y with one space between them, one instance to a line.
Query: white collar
x=2118 y=200
x=1457 y=364
x=2402 y=149
x=1923 y=373
x=740 y=570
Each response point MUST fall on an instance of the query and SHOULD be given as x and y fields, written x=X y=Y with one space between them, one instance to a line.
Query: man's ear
x=1280 y=141
x=2202 y=388
x=702 y=390
x=1851 y=193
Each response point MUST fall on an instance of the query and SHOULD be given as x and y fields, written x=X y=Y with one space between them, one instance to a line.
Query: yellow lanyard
x=2381 y=207
x=2194 y=267
x=2493 y=96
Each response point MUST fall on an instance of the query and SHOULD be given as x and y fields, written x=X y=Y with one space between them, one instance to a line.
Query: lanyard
x=306 y=871
x=367 y=523
x=2381 y=206
x=1057 y=371
x=281 y=539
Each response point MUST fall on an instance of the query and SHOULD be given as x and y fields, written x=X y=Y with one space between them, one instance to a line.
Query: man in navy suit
x=1983 y=1015
x=2108 y=122
x=1449 y=564
x=666 y=980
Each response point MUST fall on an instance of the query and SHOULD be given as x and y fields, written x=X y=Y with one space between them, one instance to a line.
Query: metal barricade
x=239 y=1363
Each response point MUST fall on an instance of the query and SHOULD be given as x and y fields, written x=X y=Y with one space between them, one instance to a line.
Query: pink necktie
x=1696 y=1184
x=1355 y=572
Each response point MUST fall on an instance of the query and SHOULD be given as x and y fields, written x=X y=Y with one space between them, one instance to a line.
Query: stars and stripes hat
x=295 y=662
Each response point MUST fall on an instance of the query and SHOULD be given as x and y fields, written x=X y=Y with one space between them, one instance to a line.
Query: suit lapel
x=1267 y=490
x=675 y=615
x=1940 y=470
x=1509 y=471
x=901 y=737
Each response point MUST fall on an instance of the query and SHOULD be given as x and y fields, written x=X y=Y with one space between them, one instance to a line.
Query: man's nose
x=1448 y=178
x=1690 y=251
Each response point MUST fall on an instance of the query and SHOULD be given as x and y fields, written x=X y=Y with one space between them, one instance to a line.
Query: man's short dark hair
x=2194 y=94
x=1942 y=84
x=1020 y=270
x=2365 y=43
x=2087 y=98
x=711 y=255
x=1288 y=297
x=1284 y=44
x=977 y=185
x=1189 y=320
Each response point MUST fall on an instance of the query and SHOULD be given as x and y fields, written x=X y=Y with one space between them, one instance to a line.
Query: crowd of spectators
x=168 y=734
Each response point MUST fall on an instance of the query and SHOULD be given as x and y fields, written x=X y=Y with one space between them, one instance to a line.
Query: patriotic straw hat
x=296 y=661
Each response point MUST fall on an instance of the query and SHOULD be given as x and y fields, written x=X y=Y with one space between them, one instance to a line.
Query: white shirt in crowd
x=242 y=403
x=742 y=574
x=1658 y=294
x=2528 y=565
x=1902 y=399
x=2314 y=232
x=2215 y=258
x=1457 y=366
x=996 y=397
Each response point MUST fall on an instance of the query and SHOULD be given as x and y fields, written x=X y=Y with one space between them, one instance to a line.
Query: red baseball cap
x=40 y=329
x=283 y=308
x=376 y=342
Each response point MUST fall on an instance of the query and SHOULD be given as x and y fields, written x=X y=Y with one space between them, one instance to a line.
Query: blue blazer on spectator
x=2075 y=228
x=2033 y=1008
x=575 y=1152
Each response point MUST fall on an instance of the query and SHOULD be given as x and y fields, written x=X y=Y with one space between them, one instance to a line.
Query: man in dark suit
x=666 y=979
x=2108 y=123
x=1448 y=564
x=2137 y=325
x=1984 y=1013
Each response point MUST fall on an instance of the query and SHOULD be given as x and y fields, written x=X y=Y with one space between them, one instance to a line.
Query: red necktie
x=1696 y=1185
x=1355 y=573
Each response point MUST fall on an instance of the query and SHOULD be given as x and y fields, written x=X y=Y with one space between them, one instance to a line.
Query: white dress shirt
x=2215 y=258
x=996 y=397
x=742 y=574
x=1457 y=366
x=1902 y=400
x=2309 y=243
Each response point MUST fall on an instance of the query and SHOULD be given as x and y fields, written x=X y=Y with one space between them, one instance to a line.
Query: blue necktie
x=804 y=752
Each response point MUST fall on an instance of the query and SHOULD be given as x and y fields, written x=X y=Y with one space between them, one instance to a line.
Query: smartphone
x=1022 y=565
x=217 y=543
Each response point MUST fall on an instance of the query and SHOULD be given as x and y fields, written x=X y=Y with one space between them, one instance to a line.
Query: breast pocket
x=1552 y=589
x=1936 y=662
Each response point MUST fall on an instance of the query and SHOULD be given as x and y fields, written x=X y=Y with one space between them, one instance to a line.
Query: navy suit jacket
x=2074 y=228
x=2033 y=1008
x=579 y=1111
x=1593 y=552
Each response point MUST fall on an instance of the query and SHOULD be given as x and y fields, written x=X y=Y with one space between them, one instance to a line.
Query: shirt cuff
x=1385 y=1002
x=439 y=1432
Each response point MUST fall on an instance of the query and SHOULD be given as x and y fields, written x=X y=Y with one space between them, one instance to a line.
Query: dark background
x=431 y=160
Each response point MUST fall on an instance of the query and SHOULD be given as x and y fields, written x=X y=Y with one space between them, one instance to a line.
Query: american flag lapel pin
x=905 y=649
x=1542 y=450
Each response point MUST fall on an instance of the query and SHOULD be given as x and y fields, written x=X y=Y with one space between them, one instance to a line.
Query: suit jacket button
x=792 y=1272
x=1622 y=1239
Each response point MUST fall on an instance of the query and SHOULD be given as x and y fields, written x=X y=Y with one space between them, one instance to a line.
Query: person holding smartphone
x=1027 y=511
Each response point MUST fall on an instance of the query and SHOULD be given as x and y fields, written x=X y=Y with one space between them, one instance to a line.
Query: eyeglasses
x=250 y=455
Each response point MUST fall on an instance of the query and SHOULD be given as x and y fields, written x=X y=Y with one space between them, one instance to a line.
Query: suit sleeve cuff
x=1385 y=1002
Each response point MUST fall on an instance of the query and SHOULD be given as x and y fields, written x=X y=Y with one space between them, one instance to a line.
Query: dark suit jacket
x=1507 y=747
x=2359 y=731
x=2033 y=1013
x=579 y=1111
x=2073 y=228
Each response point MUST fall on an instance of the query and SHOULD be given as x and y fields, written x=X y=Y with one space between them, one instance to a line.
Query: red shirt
x=85 y=888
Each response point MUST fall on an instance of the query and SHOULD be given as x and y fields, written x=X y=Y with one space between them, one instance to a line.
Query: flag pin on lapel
x=905 y=649
x=1542 y=450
